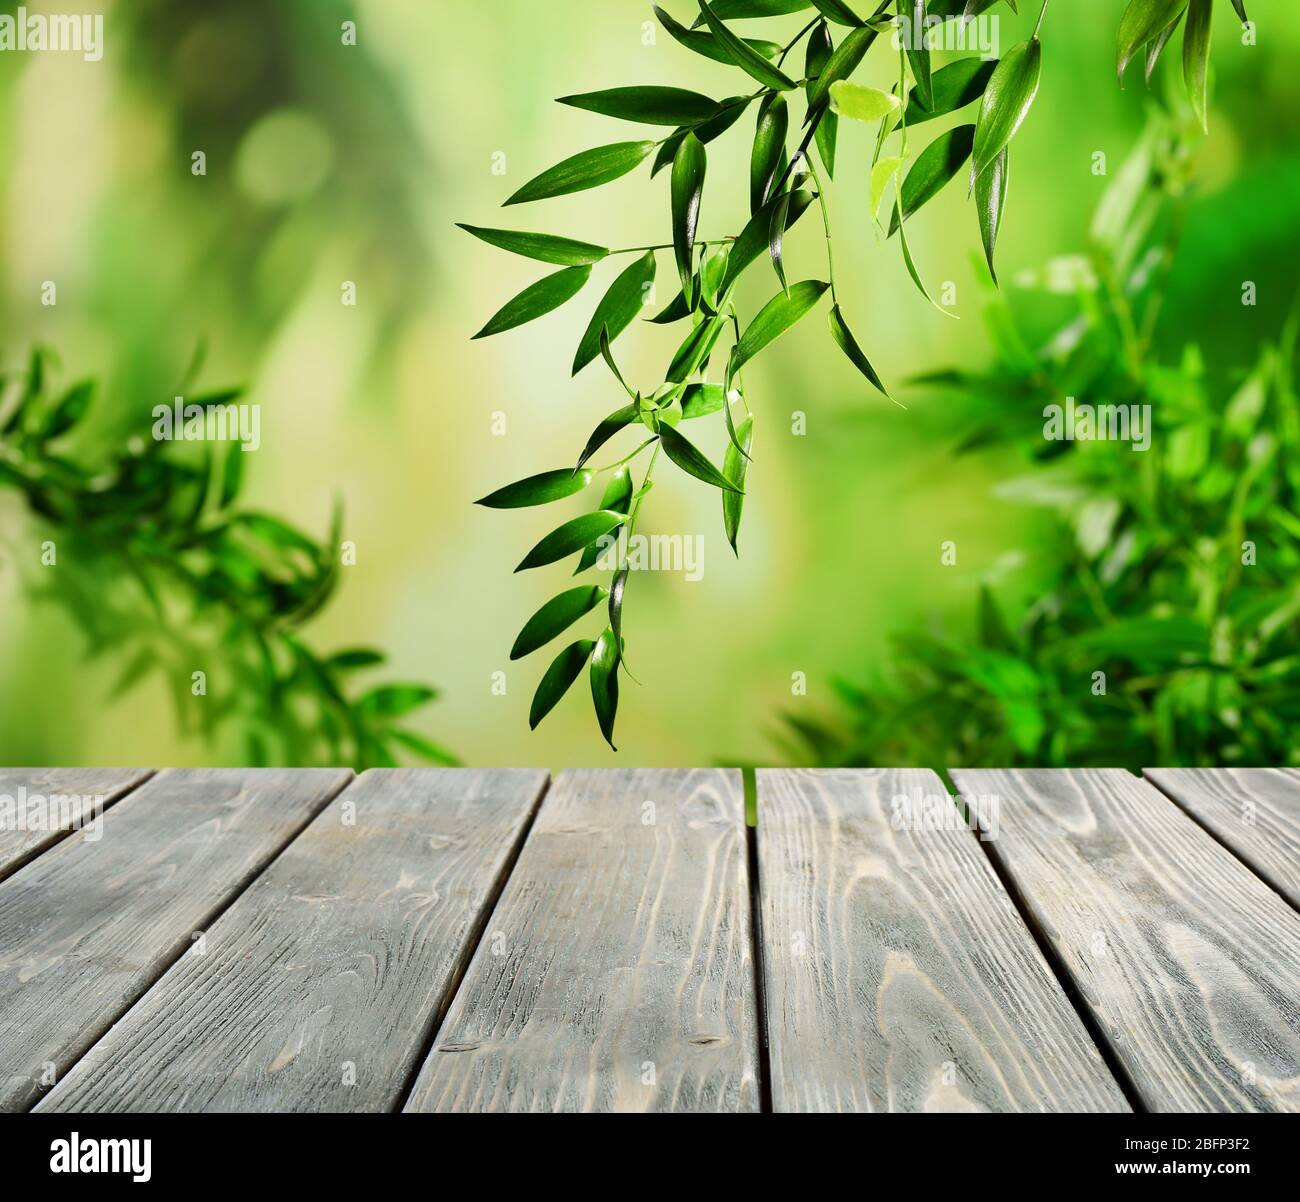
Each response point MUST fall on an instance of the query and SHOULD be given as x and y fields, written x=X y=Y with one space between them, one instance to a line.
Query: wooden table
x=464 y=940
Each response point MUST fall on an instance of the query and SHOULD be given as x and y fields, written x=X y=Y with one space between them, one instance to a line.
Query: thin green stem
x=600 y=471
x=799 y=37
x=826 y=225
x=1042 y=12
x=637 y=250
x=641 y=492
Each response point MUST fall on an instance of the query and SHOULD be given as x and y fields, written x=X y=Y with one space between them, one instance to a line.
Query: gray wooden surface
x=899 y=975
x=343 y=954
x=1255 y=811
x=616 y=972
x=25 y=831
x=1189 y=961
x=88 y=926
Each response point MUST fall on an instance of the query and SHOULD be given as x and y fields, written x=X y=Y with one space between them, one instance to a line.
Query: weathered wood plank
x=1255 y=811
x=319 y=988
x=40 y=806
x=616 y=972
x=899 y=976
x=89 y=926
x=1190 y=963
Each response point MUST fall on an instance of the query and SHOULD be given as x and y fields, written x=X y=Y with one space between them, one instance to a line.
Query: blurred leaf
x=424 y=748
x=395 y=700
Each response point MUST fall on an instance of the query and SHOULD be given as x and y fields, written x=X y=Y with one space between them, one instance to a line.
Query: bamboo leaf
x=1196 y=56
x=704 y=43
x=934 y=167
x=769 y=145
x=1007 y=101
x=918 y=53
x=839 y=12
x=776 y=237
x=746 y=59
x=735 y=464
x=699 y=400
x=559 y=677
x=615 y=422
x=589 y=169
x=777 y=316
x=849 y=345
x=820 y=48
x=739 y=10
x=1240 y=6
x=881 y=174
x=693 y=353
x=617 y=589
x=537 y=490
x=575 y=535
x=604 y=683
x=755 y=238
x=617 y=499
x=954 y=87
x=617 y=308
x=555 y=617
x=691 y=459
x=1143 y=22
x=991 y=203
x=395 y=700
x=689 y=167
x=426 y=749
x=566 y=252
x=649 y=105
x=848 y=54
x=537 y=300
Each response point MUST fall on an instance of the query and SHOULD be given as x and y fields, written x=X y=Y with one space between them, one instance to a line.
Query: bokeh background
x=329 y=163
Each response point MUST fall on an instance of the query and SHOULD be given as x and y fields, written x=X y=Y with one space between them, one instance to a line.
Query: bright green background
x=328 y=163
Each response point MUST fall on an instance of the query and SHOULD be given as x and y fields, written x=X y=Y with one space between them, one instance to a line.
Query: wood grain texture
x=616 y=972
x=73 y=798
x=319 y=988
x=1190 y=963
x=1255 y=811
x=87 y=927
x=899 y=975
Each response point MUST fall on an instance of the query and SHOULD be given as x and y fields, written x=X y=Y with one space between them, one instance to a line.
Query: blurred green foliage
x=1168 y=630
x=151 y=554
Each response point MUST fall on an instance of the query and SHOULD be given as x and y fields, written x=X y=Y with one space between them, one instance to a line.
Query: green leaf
x=712 y=272
x=537 y=300
x=881 y=174
x=860 y=103
x=689 y=165
x=848 y=54
x=776 y=237
x=849 y=345
x=675 y=310
x=615 y=422
x=567 y=252
x=911 y=262
x=769 y=145
x=955 y=86
x=704 y=43
x=232 y=474
x=650 y=105
x=777 y=316
x=575 y=535
x=1156 y=47
x=70 y=410
x=918 y=54
x=617 y=308
x=617 y=499
x=1196 y=56
x=820 y=48
x=1240 y=6
x=755 y=238
x=537 y=490
x=839 y=12
x=693 y=353
x=991 y=204
x=354 y=659
x=746 y=59
x=1144 y=21
x=394 y=700
x=555 y=617
x=424 y=748
x=604 y=683
x=740 y=10
x=617 y=589
x=1007 y=101
x=691 y=460
x=589 y=169
x=699 y=400
x=735 y=464
x=934 y=167
x=559 y=677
